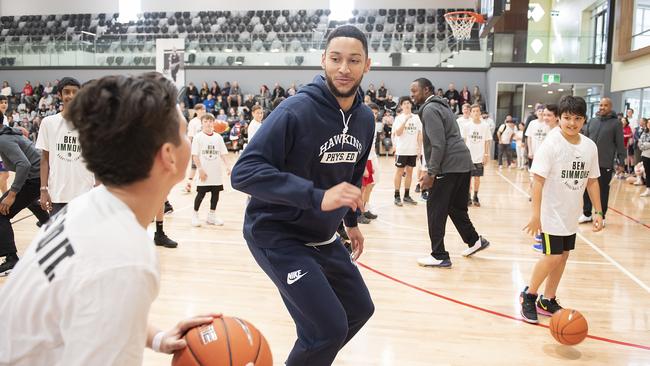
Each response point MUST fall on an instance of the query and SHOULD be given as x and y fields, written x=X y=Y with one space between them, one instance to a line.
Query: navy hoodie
x=302 y=149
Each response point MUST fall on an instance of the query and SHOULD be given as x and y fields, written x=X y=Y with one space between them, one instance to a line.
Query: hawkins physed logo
x=69 y=149
x=340 y=156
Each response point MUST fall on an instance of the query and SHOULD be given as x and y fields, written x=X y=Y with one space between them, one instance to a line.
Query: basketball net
x=461 y=23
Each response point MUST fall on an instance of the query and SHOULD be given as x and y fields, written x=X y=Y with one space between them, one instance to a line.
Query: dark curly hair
x=572 y=105
x=122 y=122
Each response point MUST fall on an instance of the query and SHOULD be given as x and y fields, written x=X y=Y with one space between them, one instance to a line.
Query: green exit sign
x=551 y=78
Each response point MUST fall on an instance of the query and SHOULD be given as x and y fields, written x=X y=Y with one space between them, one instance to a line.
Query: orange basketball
x=568 y=327
x=220 y=126
x=227 y=341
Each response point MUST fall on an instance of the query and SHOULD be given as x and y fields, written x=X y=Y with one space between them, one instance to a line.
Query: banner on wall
x=170 y=56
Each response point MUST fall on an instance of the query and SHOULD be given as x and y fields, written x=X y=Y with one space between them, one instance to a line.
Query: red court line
x=629 y=217
x=496 y=313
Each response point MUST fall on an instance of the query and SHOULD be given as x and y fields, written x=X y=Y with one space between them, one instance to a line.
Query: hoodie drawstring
x=345 y=122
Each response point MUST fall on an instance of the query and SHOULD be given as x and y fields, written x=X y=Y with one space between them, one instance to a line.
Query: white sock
x=196 y=214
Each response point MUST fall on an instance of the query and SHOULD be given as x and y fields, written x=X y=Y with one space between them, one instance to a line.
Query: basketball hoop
x=461 y=23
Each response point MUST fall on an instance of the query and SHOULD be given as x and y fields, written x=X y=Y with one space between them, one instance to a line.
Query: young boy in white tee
x=477 y=138
x=82 y=291
x=565 y=165
x=208 y=148
x=407 y=135
x=193 y=128
x=64 y=175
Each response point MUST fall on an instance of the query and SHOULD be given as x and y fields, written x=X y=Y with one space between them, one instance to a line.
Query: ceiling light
x=544 y=85
x=416 y=64
x=550 y=92
x=530 y=106
x=450 y=66
x=560 y=90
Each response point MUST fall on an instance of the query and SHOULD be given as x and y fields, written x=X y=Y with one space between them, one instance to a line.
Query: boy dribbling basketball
x=565 y=164
x=82 y=291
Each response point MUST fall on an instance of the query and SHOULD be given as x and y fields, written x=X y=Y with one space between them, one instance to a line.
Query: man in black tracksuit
x=19 y=155
x=606 y=131
x=448 y=166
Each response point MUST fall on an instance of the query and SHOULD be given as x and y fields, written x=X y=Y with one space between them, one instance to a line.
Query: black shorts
x=405 y=160
x=209 y=189
x=477 y=170
x=553 y=244
x=530 y=163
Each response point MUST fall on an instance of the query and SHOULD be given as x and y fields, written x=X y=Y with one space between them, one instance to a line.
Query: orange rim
x=453 y=16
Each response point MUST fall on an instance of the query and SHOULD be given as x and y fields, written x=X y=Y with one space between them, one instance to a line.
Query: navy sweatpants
x=324 y=293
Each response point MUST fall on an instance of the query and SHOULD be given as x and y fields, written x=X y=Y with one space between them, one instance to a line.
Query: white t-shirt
x=252 y=129
x=507 y=134
x=379 y=126
x=81 y=293
x=209 y=149
x=69 y=177
x=566 y=169
x=462 y=123
x=476 y=134
x=537 y=131
x=407 y=143
x=519 y=136
x=194 y=127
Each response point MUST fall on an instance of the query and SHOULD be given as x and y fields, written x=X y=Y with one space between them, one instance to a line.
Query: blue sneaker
x=537 y=247
x=538 y=238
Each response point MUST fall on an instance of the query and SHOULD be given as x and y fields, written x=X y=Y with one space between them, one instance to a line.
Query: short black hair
x=3 y=97
x=404 y=99
x=425 y=83
x=122 y=122
x=572 y=105
x=349 y=31
x=373 y=106
x=67 y=81
x=553 y=108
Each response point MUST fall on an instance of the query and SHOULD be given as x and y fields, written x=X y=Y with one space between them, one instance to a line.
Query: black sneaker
x=476 y=202
x=546 y=306
x=417 y=188
x=161 y=239
x=409 y=200
x=398 y=202
x=469 y=202
x=168 y=208
x=362 y=219
x=7 y=266
x=528 y=309
x=370 y=215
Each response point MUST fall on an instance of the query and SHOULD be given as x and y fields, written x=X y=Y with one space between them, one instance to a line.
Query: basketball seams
x=189 y=347
x=225 y=330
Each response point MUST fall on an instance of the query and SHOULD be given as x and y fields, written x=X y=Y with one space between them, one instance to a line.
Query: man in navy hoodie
x=303 y=172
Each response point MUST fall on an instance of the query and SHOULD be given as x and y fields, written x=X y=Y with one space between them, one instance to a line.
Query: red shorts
x=369 y=179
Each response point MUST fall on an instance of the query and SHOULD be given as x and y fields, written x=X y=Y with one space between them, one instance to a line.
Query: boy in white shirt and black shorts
x=565 y=165
x=477 y=138
x=407 y=135
x=82 y=291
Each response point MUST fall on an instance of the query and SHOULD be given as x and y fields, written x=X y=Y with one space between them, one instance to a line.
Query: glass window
x=641 y=28
x=645 y=106
x=632 y=99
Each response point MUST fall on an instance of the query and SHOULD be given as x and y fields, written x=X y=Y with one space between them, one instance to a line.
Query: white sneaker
x=430 y=261
x=195 y=220
x=583 y=219
x=213 y=220
x=646 y=193
x=479 y=245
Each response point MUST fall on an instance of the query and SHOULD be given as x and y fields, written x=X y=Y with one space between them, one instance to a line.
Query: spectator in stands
x=48 y=88
x=215 y=89
x=264 y=98
x=628 y=142
x=38 y=91
x=643 y=122
x=54 y=84
x=382 y=96
x=292 y=90
x=278 y=92
x=452 y=94
x=372 y=93
x=192 y=95
x=390 y=104
x=225 y=93
x=465 y=96
x=4 y=174
x=6 y=89
x=203 y=93
x=234 y=99
x=28 y=93
x=367 y=100
x=218 y=103
x=233 y=117
x=440 y=93
x=477 y=97
x=605 y=130
x=222 y=115
x=249 y=103
x=629 y=114
x=455 y=107
x=209 y=103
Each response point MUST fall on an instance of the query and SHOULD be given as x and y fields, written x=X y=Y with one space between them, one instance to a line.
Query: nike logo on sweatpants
x=294 y=276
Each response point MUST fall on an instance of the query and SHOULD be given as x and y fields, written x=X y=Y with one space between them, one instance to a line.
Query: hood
x=6 y=130
x=318 y=90
x=434 y=99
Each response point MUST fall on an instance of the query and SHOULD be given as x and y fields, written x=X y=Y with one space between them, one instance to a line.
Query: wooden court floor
x=464 y=316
